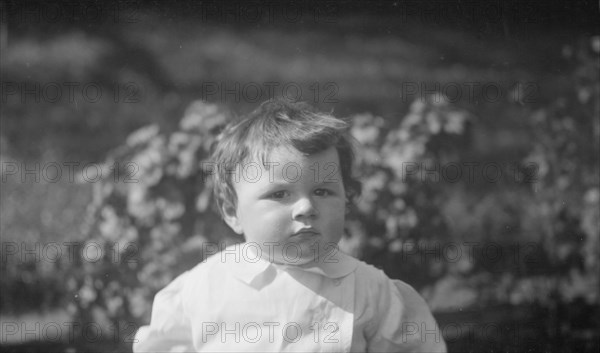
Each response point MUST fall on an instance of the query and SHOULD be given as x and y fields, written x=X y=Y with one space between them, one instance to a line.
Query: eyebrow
x=277 y=184
x=285 y=184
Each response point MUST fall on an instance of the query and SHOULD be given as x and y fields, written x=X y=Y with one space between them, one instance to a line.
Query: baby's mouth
x=305 y=233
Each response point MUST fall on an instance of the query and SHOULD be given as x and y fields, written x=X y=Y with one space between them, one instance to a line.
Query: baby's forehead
x=283 y=155
x=282 y=166
x=269 y=157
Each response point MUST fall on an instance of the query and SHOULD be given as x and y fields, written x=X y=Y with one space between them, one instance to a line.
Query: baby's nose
x=305 y=207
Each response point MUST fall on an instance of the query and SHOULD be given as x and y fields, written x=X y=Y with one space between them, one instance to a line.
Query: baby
x=283 y=181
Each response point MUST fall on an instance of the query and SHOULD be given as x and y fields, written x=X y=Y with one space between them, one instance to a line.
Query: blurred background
x=479 y=126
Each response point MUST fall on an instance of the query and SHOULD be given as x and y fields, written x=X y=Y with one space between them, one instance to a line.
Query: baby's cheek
x=336 y=227
x=274 y=226
x=335 y=212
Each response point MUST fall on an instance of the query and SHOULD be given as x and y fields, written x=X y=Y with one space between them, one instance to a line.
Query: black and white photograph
x=299 y=176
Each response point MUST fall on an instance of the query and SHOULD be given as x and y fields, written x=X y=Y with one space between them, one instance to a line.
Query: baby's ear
x=230 y=216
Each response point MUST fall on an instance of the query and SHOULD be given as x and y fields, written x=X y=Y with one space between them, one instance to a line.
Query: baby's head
x=284 y=175
x=279 y=123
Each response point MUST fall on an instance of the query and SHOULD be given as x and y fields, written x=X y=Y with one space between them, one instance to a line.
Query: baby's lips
x=304 y=236
x=306 y=232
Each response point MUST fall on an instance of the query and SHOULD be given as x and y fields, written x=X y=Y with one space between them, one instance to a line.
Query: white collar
x=336 y=266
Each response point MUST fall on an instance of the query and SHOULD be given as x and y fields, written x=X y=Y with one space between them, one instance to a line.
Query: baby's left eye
x=323 y=192
x=278 y=195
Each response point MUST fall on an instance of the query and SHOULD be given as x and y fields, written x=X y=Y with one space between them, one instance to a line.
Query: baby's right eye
x=278 y=194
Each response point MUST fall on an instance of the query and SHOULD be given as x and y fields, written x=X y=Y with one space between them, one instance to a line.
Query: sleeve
x=169 y=329
x=406 y=323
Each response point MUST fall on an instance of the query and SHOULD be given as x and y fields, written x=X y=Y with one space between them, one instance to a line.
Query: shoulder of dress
x=375 y=279
x=369 y=273
x=408 y=293
x=371 y=281
x=205 y=268
x=195 y=281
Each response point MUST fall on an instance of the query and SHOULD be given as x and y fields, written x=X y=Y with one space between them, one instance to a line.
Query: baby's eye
x=323 y=192
x=278 y=194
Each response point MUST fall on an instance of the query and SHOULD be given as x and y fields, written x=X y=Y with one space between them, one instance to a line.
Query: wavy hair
x=278 y=123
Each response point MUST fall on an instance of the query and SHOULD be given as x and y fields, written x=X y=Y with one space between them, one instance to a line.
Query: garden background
x=479 y=127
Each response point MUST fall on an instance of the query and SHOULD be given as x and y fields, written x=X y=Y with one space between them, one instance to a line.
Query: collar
x=248 y=267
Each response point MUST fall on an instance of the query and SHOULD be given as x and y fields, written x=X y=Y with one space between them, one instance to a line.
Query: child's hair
x=277 y=123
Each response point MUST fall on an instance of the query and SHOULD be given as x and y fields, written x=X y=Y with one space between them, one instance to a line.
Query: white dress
x=234 y=304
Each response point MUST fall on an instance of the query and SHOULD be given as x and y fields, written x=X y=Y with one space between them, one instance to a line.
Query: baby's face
x=294 y=209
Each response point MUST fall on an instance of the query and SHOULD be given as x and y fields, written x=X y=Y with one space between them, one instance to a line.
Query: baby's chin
x=297 y=260
x=305 y=261
x=300 y=252
x=309 y=255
